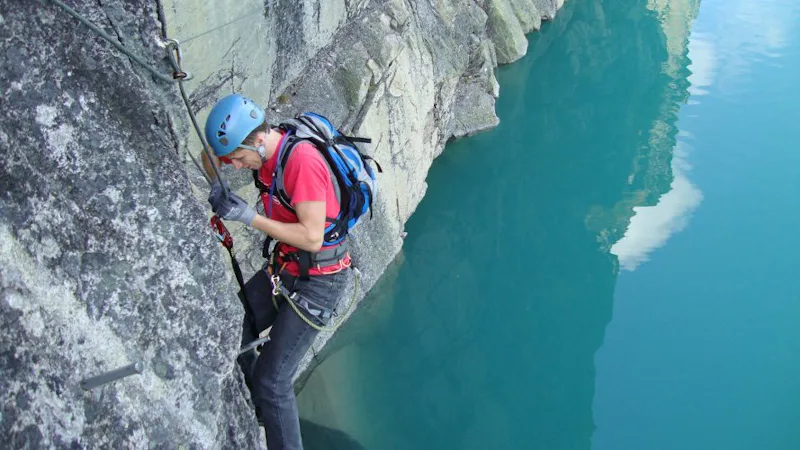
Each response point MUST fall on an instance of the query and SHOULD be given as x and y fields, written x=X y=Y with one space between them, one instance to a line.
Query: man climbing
x=302 y=203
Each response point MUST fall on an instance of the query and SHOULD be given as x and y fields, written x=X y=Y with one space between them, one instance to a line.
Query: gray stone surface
x=529 y=17
x=105 y=253
x=105 y=256
x=548 y=8
x=506 y=31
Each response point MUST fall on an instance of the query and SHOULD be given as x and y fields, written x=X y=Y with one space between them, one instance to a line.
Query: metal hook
x=276 y=284
x=254 y=345
x=173 y=46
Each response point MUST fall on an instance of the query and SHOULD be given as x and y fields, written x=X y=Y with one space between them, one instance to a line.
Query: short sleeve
x=306 y=175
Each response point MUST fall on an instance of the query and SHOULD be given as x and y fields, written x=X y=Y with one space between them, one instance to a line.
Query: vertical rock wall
x=105 y=253
x=105 y=256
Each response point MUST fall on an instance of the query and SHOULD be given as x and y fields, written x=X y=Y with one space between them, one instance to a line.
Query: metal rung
x=114 y=375
x=254 y=344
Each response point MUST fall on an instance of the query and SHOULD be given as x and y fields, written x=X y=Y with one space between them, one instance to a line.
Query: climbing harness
x=296 y=302
x=306 y=260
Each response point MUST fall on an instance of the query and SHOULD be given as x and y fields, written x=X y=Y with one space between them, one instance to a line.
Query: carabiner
x=276 y=285
x=173 y=46
x=221 y=232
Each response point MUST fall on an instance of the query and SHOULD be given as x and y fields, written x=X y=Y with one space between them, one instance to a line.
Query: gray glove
x=217 y=193
x=234 y=208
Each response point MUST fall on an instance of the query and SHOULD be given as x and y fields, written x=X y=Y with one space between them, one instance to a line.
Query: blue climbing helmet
x=230 y=121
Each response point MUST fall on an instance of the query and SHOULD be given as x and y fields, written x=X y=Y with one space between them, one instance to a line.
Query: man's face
x=243 y=158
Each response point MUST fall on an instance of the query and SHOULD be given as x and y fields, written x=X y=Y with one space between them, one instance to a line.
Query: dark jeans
x=269 y=375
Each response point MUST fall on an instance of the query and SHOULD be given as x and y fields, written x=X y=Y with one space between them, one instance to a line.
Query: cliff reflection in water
x=653 y=222
x=508 y=279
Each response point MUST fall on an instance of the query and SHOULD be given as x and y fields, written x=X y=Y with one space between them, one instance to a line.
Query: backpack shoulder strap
x=277 y=187
x=277 y=177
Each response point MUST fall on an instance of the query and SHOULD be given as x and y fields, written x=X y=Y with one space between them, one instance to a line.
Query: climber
x=305 y=265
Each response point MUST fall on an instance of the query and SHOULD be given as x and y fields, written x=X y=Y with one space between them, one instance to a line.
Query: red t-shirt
x=306 y=179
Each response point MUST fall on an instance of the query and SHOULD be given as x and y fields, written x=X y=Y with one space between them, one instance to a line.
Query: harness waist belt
x=323 y=257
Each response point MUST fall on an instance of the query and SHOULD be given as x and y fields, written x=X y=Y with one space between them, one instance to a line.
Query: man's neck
x=272 y=140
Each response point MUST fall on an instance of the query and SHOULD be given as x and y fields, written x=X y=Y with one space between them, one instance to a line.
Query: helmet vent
x=223 y=140
x=253 y=113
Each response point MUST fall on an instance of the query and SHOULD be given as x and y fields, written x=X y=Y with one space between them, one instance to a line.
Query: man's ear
x=264 y=137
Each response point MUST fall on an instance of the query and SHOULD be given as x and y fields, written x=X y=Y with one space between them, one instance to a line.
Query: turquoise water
x=613 y=267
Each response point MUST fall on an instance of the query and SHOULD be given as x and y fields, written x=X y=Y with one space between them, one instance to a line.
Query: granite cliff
x=105 y=253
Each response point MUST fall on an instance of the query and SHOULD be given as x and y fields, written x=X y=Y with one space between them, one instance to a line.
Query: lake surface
x=615 y=266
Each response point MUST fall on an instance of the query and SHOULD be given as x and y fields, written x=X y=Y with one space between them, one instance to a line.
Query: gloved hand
x=217 y=192
x=234 y=208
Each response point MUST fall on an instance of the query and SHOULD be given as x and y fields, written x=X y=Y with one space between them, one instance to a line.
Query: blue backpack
x=351 y=175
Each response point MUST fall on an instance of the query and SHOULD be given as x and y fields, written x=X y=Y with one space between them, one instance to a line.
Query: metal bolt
x=114 y=375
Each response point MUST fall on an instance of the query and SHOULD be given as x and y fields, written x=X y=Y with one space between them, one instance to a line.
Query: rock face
x=105 y=253
x=105 y=256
